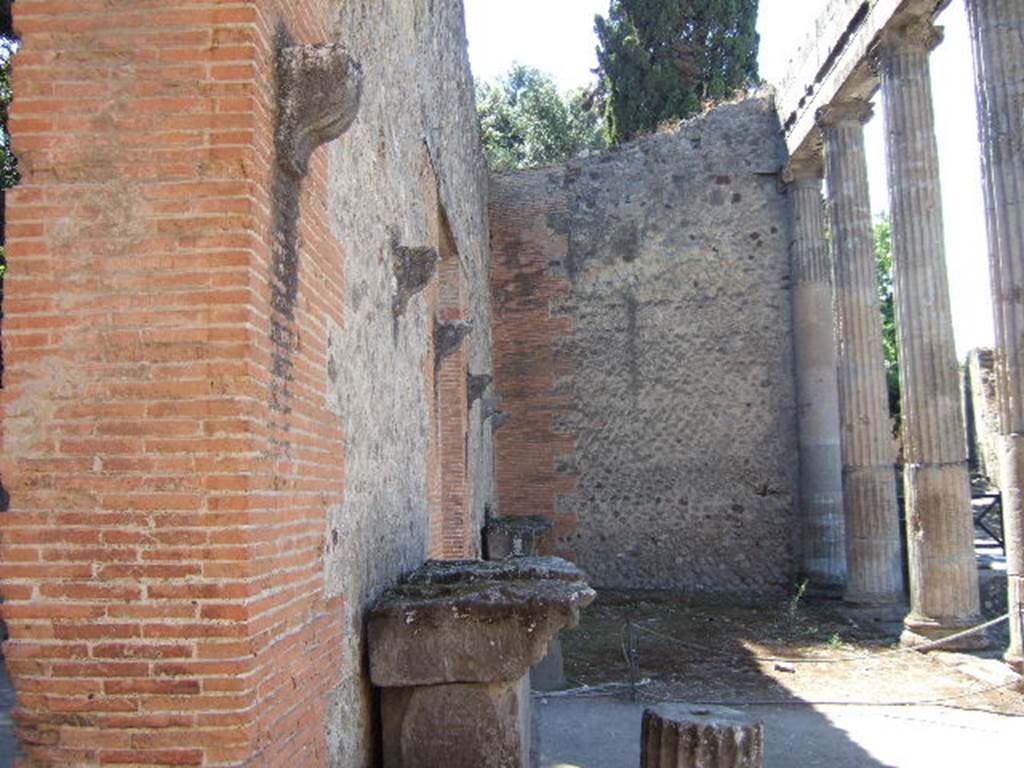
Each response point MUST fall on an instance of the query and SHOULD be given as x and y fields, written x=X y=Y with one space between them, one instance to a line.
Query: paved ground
x=833 y=687
x=605 y=733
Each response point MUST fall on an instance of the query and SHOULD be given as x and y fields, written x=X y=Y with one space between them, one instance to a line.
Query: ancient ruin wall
x=981 y=415
x=411 y=161
x=643 y=347
x=215 y=425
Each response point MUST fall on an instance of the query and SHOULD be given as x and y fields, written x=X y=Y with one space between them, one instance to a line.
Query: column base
x=1015 y=607
x=1016 y=663
x=825 y=590
x=879 y=613
x=918 y=631
x=892 y=604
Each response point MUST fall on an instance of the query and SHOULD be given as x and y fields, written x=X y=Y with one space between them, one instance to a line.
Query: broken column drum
x=997 y=34
x=874 y=572
x=823 y=540
x=686 y=736
x=451 y=648
x=940 y=532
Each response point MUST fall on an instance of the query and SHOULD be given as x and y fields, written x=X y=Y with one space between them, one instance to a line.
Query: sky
x=557 y=37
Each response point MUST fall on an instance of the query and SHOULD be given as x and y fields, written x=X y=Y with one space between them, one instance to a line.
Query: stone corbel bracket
x=448 y=337
x=499 y=420
x=414 y=269
x=490 y=406
x=476 y=385
x=319 y=90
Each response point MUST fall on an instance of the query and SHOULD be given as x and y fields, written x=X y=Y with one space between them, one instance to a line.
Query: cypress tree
x=660 y=60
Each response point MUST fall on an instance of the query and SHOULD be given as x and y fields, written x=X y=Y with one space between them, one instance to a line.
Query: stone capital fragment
x=805 y=168
x=319 y=89
x=913 y=34
x=850 y=111
x=472 y=621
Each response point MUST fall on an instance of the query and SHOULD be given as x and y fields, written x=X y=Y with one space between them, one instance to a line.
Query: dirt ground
x=787 y=651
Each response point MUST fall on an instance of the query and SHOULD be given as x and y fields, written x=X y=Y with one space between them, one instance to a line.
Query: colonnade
x=849 y=409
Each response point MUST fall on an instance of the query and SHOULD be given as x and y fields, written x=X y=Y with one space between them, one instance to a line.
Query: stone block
x=452 y=647
x=549 y=672
x=457 y=726
x=515 y=536
x=472 y=621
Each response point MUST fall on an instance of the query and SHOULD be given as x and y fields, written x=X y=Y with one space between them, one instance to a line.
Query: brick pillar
x=531 y=363
x=458 y=539
x=997 y=33
x=167 y=445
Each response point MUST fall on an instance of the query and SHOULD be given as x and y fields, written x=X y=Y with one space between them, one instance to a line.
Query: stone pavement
x=604 y=732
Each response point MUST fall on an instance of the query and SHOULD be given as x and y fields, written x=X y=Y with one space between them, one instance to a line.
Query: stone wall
x=220 y=441
x=981 y=411
x=409 y=169
x=643 y=348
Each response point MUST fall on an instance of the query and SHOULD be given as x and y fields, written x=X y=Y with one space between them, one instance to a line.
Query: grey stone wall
x=981 y=412
x=680 y=351
x=414 y=148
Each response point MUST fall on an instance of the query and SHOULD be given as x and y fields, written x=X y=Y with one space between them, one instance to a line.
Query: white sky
x=557 y=36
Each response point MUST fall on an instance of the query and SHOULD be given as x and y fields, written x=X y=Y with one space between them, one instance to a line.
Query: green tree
x=525 y=122
x=883 y=273
x=660 y=60
x=9 y=175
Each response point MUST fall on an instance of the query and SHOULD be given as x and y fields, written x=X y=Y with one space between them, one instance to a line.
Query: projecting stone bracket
x=490 y=408
x=448 y=336
x=414 y=269
x=319 y=89
x=476 y=385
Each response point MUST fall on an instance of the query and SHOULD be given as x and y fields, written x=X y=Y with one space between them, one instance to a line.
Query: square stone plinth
x=463 y=725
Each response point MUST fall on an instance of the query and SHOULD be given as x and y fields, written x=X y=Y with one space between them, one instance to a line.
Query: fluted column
x=875 y=575
x=940 y=531
x=823 y=550
x=997 y=36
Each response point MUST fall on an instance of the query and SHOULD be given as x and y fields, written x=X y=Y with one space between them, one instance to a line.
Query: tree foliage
x=660 y=60
x=9 y=175
x=883 y=272
x=525 y=122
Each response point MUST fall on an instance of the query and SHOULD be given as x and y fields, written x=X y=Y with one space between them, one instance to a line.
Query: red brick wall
x=161 y=562
x=458 y=539
x=528 y=361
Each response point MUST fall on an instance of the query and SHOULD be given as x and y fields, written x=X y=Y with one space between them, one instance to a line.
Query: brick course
x=161 y=561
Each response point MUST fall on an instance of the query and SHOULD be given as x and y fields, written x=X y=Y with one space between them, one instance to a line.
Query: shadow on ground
x=845 y=698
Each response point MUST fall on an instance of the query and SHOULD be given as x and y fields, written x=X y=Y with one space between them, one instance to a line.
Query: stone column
x=940 y=530
x=685 y=736
x=875 y=574
x=997 y=35
x=823 y=551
